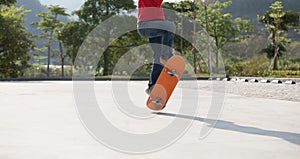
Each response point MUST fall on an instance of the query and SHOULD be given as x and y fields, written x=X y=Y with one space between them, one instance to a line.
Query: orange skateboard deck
x=166 y=83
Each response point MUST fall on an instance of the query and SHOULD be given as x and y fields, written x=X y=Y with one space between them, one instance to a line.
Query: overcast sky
x=75 y=4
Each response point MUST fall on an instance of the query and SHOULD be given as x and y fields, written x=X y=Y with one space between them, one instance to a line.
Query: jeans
x=161 y=38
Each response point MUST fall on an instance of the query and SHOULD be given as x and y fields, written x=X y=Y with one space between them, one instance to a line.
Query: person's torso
x=150 y=10
x=149 y=3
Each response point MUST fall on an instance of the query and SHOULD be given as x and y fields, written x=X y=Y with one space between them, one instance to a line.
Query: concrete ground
x=39 y=120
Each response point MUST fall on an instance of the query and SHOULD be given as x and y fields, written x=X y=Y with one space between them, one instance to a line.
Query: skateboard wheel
x=158 y=97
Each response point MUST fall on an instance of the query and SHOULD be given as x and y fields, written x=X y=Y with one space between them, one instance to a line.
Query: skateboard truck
x=157 y=101
x=172 y=72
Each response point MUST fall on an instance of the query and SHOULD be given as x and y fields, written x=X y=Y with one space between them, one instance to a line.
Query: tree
x=122 y=45
x=220 y=26
x=277 y=23
x=15 y=43
x=190 y=9
x=94 y=12
x=7 y=2
x=50 y=25
x=72 y=36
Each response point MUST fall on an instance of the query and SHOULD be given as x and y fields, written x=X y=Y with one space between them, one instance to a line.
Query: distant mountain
x=36 y=7
x=249 y=9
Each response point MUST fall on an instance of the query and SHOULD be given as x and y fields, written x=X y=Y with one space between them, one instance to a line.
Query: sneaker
x=148 y=91
x=162 y=61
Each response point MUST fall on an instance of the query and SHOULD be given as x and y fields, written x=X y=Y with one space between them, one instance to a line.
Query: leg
x=161 y=38
x=167 y=45
x=156 y=65
x=162 y=47
x=165 y=29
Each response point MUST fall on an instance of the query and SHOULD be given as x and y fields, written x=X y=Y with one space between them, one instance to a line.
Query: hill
x=36 y=7
x=249 y=9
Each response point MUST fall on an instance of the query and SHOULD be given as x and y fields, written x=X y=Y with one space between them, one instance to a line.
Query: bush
x=256 y=66
x=284 y=73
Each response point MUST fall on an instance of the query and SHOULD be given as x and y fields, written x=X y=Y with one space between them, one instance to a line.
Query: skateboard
x=166 y=83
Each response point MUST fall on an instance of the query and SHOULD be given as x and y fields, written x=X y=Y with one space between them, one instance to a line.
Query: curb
x=253 y=80
x=290 y=82
x=244 y=80
x=234 y=79
x=92 y=79
x=265 y=80
x=276 y=81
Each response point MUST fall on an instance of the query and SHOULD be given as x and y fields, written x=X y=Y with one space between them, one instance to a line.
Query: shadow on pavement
x=231 y=126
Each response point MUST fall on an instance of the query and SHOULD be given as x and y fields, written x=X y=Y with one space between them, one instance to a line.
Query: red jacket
x=150 y=10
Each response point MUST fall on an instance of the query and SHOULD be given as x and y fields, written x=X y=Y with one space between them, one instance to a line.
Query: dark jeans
x=161 y=38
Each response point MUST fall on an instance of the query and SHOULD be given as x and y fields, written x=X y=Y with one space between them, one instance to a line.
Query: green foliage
x=270 y=50
x=221 y=27
x=291 y=63
x=94 y=12
x=277 y=23
x=121 y=48
x=72 y=36
x=256 y=66
x=15 y=43
x=51 y=27
x=7 y=2
x=226 y=26
x=246 y=48
x=284 y=73
x=293 y=50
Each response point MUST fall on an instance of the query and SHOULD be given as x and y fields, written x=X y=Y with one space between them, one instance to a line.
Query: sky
x=72 y=5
